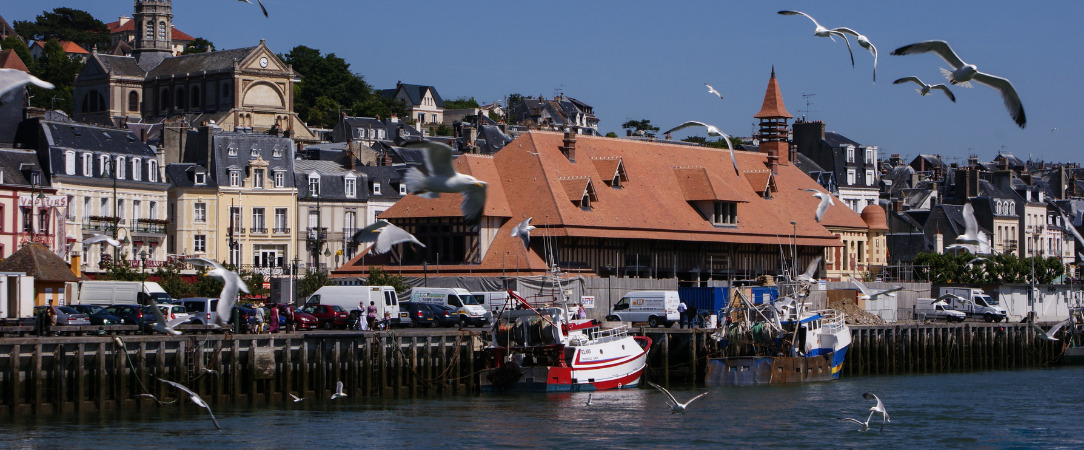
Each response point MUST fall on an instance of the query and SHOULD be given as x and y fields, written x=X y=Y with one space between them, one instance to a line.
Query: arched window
x=120 y=168
x=133 y=101
x=164 y=99
x=69 y=162
x=150 y=30
x=136 y=174
x=180 y=98
x=162 y=30
x=195 y=97
x=152 y=170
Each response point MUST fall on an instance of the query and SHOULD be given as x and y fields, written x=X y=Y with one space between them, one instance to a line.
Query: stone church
x=245 y=88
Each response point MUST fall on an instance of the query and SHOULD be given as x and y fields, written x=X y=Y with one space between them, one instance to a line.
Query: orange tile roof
x=577 y=187
x=697 y=184
x=67 y=46
x=773 y=101
x=447 y=205
x=607 y=167
x=175 y=34
x=758 y=180
x=11 y=60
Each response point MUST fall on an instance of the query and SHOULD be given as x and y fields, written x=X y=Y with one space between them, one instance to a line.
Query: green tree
x=254 y=283
x=119 y=269
x=461 y=103
x=312 y=281
x=65 y=24
x=378 y=277
x=60 y=69
x=611 y=134
x=442 y=130
x=169 y=277
x=513 y=101
x=326 y=77
x=200 y=45
x=637 y=126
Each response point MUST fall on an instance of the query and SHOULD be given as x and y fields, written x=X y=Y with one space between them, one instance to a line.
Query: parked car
x=171 y=312
x=133 y=314
x=98 y=315
x=328 y=315
x=201 y=308
x=66 y=315
x=245 y=315
x=446 y=315
x=305 y=321
x=420 y=314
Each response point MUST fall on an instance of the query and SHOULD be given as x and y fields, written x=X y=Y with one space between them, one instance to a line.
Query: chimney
x=773 y=160
x=350 y=155
x=569 y=149
x=77 y=263
x=939 y=243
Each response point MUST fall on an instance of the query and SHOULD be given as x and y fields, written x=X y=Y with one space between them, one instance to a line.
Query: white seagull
x=973 y=261
x=164 y=326
x=385 y=235
x=261 y=6
x=296 y=398
x=821 y=31
x=204 y=370
x=675 y=406
x=878 y=408
x=810 y=270
x=588 y=403
x=925 y=89
x=826 y=200
x=963 y=73
x=442 y=177
x=523 y=231
x=231 y=283
x=865 y=43
x=972 y=239
x=1049 y=335
x=870 y=294
x=712 y=90
x=712 y=131
x=338 y=391
x=195 y=399
x=152 y=397
x=15 y=78
x=98 y=238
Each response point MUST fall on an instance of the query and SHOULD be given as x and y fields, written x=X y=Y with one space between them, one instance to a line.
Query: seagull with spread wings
x=523 y=231
x=810 y=271
x=963 y=73
x=821 y=31
x=878 y=408
x=338 y=391
x=15 y=78
x=712 y=90
x=261 y=6
x=675 y=406
x=195 y=399
x=164 y=326
x=384 y=235
x=865 y=43
x=442 y=177
x=98 y=238
x=924 y=88
x=714 y=132
x=232 y=283
x=826 y=201
x=872 y=294
x=1052 y=333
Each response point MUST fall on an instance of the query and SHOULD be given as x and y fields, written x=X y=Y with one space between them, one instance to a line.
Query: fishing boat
x=542 y=349
x=1073 y=338
x=778 y=342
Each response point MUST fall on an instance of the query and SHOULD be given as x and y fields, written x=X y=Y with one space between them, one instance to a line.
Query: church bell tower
x=153 y=32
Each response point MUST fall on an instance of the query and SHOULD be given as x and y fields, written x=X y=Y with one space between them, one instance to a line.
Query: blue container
x=705 y=298
x=764 y=294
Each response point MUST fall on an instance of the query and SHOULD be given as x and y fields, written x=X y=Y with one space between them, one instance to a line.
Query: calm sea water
x=1027 y=408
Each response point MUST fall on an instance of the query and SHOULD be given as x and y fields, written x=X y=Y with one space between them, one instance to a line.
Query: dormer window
x=152 y=170
x=850 y=154
x=314 y=185
x=580 y=191
x=136 y=175
x=88 y=165
x=257 y=178
x=376 y=189
x=725 y=213
x=232 y=150
x=235 y=178
x=402 y=189
x=612 y=171
x=276 y=152
x=200 y=178
x=254 y=152
x=103 y=163
x=69 y=162
x=351 y=186
x=280 y=178
x=35 y=177
x=120 y=168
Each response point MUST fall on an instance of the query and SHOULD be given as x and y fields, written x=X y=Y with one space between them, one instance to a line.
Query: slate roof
x=389 y=177
x=12 y=160
x=491 y=139
x=414 y=92
x=210 y=62
x=121 y=65
x=38 y=261
x=182 y=175
x=264 y=146
x=837 y=140
x=332 y=180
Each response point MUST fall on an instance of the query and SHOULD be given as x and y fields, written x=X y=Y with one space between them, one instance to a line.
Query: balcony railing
x=259 y=230
x=100 y=224
x=148 y=227
x=317 y=234
x=281 y=231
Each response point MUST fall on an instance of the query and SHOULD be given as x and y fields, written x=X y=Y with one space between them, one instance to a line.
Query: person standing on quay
x=371 y=314
x=259 y=319
x=274 y=328
x=363 y=323
x=681 y=314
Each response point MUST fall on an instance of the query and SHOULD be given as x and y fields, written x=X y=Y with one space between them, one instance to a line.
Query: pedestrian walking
x=370 y=314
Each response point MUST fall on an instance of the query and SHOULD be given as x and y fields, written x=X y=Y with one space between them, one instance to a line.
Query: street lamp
x=293 y=281
x=143 y=259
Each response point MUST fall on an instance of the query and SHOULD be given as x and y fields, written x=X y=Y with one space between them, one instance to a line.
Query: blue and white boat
x=779 y=343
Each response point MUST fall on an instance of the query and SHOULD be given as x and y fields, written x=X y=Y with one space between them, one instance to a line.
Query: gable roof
x=120 y=65
x=38 y=261
x=116 y=27
x=209 y=62
x=11 y=60
x=414 y=92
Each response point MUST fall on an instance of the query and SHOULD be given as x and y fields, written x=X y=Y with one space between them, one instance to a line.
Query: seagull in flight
x=442 y=177
x=973 y=261
x=826 y=200
x=523 y=231
x=972 y=239
x=924 y=90
x=204 y=370
x=588 y=403
x=98 y=238
x=870 y=294
x=963 y=73
x=338 y=391
x=810 y=270
x=156 y=400
x=261 y=6
x=821 y=31
x=712 y=90
x=1049 y=335
x=195 y=399
x=15 y=78
x=296 y=398
x=714 y=132
x=878 y=408
x=675 y=406
x=231 y=283
x=865 y=43
x=164 y=326
x=385 y=235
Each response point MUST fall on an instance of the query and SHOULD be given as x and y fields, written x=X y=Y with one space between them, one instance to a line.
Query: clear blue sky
x=647 y=60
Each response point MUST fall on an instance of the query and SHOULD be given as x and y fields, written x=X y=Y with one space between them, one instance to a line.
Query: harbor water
x=1022 y=408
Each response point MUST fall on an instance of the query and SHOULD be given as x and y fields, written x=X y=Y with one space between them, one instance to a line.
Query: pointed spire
x=773 y=101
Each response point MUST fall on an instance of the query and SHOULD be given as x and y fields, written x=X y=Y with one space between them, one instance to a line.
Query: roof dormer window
x=136 y=174
x=350 y=185
x=235 y=178
x=402 y=189
x=199 y=178
x=376 y=188
x=231 y=150
x=121 y=168
x=314 y=185
x=724 y=213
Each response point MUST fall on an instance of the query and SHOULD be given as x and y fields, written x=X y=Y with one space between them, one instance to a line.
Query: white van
x=352 y=297
x=654 y=307
x=202 y=309
x=495 y=302
x=470 y=312
x=119 y=292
